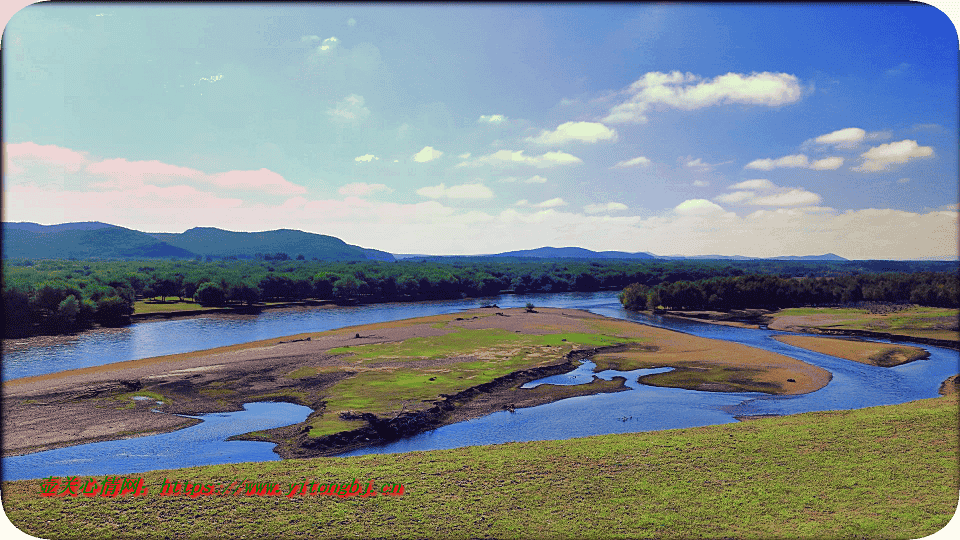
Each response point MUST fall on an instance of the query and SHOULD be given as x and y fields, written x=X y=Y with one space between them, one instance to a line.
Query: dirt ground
x=96 y=403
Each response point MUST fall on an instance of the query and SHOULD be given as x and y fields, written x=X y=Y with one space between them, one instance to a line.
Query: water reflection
x=202 y=444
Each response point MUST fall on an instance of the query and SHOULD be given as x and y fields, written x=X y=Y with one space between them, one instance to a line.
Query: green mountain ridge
x=95 y=240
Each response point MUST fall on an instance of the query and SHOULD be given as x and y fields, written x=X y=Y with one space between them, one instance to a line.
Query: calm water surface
x=643 y=408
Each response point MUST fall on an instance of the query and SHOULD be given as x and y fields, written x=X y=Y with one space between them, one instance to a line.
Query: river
x=644 y=408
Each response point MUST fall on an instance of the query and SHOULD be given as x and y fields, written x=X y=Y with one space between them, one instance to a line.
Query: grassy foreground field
x=882 y=472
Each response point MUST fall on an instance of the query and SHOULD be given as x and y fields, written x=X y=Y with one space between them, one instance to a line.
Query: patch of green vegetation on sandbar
x=486 y=354
x=881 y=472
x=914 y=321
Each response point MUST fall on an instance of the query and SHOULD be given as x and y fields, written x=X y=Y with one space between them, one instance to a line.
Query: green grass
x=915 y=321
x=488 y=354
x=882 y=472
x=142 y=307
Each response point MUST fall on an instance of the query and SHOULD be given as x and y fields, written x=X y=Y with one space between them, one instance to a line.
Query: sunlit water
x=202 y=444
x=643 y=408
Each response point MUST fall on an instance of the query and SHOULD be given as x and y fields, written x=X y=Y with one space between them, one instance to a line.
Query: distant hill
x=573 y=253
x=90 y=240
x=826 y=257
x=222 y=243
x=95 y=240
x=36 y=227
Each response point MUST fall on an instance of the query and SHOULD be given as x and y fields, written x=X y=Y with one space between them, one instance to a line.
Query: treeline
x=940 y=289
x=53 y=296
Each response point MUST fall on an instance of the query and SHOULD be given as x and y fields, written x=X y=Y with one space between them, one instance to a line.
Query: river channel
x=644 y=408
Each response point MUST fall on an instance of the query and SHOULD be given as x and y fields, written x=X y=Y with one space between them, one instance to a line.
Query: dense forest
x=56 y=296
x=772 y=292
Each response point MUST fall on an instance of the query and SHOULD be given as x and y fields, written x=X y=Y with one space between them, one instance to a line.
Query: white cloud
x=537 y=179
x=511 y=158
x=492 y=119
x=351 y=22
x=309 y=39
x=463 y=191
x=701 y=183
x=903 y=181
x=633 y=162
x=549 y=203
x=350 y=110
x=601 y=208
x=689 y=92
x=794 y=197
x=366 y=157
x=842 y=138
x=772 y=196
x=796 y=160
x=589 y=132
x=759 y=183
x=465 y=155
x=427 y=154
x=123 y=174
x=328 y=44
x=362 y=189
x=827 y=164
x=879 y=158
x=697 y=207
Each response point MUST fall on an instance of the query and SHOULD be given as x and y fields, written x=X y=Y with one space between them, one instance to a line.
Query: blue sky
x=757 y=130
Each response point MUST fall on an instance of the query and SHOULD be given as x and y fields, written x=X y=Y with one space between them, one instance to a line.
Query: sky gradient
x=759 y=130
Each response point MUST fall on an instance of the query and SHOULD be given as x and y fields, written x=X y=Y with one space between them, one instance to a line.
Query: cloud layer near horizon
x=49 y=184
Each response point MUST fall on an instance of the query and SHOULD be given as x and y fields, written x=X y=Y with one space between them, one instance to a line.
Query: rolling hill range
x=222 y=243
x=91 y=240
x=95 y=240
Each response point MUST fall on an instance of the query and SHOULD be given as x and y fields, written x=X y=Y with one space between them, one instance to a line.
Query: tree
x=210 y=294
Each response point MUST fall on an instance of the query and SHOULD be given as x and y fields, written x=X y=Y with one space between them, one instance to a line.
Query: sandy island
x=373 y=383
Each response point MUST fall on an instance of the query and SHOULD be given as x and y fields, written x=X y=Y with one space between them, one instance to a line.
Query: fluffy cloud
x=511 y=158
x=602 y=208
x=772 y=195
x=362 y=189
x=427 y=154
x=688 y=92
x=797 y=160
x=701 y=183
x=120 y=172
x=827 y=164
x=350 y=110
x=880 y=158
x=536 y=179
x=759 y=183
x=843 y=138
x=492 y=119
x=794 y=197
x=633 y=162
x=366 y=157
x=698 y=164
x=549 y=203
x=697 y=207
x=589 y=132
x=463 y=191
x=21 y=155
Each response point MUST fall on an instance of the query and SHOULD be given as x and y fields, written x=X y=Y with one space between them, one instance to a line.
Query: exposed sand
x=95 y=403
x=865 y=352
